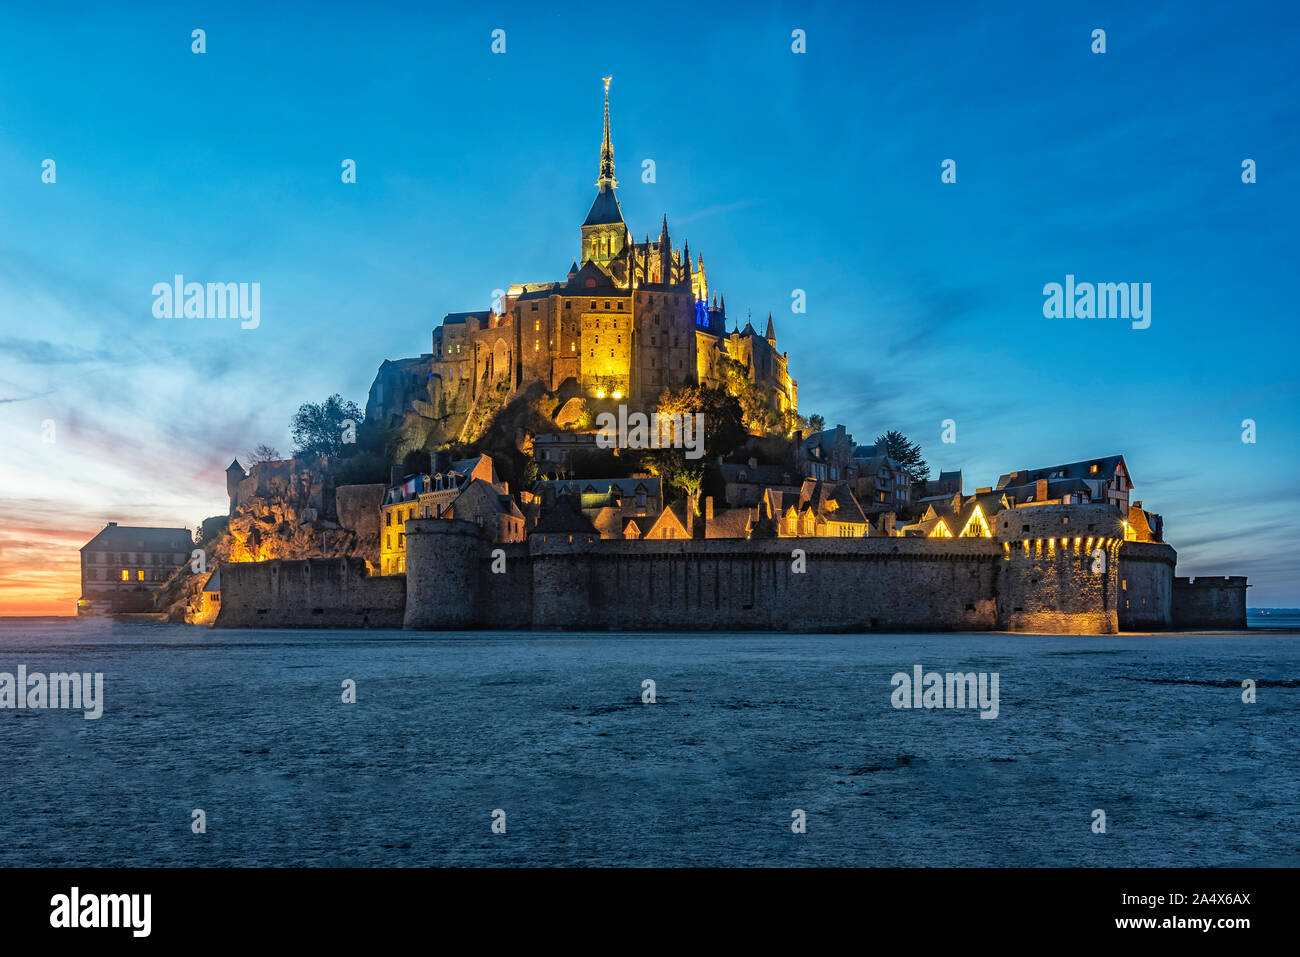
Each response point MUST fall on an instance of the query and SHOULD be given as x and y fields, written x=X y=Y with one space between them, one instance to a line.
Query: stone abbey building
x=630 y=319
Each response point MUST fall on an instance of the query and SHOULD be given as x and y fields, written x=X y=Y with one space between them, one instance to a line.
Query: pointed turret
x=665 y=254
x=771 y=331
x=234 y=475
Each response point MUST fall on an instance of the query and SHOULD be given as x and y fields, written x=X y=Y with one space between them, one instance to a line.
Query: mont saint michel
x=486 y=485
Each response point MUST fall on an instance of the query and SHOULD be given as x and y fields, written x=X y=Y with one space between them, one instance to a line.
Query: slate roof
x=1056 y=488
x=604 y=210
x=1106 y=467
x=565 y=519
x=760 y=475
x=817 y=495
x=626 y=486
x=730 y=523
x=872 y=454
x=140 y=539
x=455 y=317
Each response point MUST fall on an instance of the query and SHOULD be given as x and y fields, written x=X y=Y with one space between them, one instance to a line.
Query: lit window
x=139 y=575
x=126 y=576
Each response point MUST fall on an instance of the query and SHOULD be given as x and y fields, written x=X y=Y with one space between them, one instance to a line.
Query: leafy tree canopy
x=326 y=428
x=723 y=420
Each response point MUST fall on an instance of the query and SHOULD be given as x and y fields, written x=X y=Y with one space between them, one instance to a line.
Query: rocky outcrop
x=282 y=510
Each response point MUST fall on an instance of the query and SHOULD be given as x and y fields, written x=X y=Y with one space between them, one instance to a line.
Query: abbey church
x=629 y=320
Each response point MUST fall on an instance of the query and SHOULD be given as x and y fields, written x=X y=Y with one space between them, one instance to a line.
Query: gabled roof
x=830 y=501
x=141 y=539
x=488 y=493
x=591 y=272
x=674 y=516
x=987 y=508
x=480 y=466
x=826 y=438
x=730 y=523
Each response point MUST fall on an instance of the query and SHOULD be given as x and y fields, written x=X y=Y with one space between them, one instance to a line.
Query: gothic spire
x=606 y=179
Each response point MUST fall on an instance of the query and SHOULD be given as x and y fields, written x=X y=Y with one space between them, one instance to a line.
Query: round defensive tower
x=1059 y=572
x=442 y=569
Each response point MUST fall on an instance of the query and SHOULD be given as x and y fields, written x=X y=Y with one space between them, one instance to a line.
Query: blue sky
x=817 y=171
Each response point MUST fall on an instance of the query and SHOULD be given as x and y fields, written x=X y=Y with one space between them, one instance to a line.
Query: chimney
x=1137 y=504
x=708 y=508
x=114 y=524
x=1040 y=490
x=394 y=475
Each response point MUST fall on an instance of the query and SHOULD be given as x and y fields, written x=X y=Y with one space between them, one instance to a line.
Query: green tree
x=724 y=427
x=816 y=423
x=908 y=453
x=688 y=477
x=326 y=428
